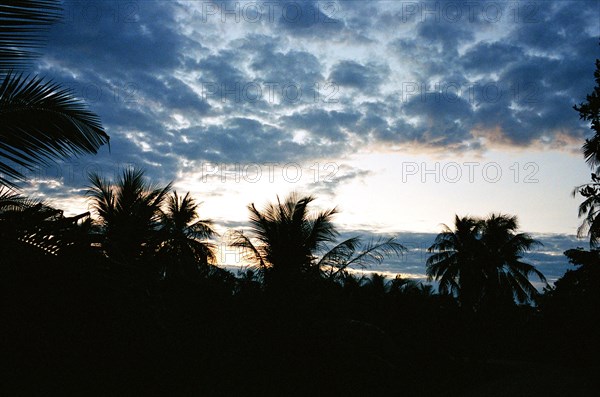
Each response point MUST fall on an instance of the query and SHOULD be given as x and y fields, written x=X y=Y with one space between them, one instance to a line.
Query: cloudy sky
x=400 y=113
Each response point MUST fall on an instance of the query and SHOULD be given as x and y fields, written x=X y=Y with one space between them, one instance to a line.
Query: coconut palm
x=480 y=261
x=590 y=210
x=454 y=259
x=590 y=111
x=289 y=241
x=39 y=120
x=32 y=226
x=185 y=245
x=128 y=214
x=405 y=286
x=507 y=276
x=353 y=253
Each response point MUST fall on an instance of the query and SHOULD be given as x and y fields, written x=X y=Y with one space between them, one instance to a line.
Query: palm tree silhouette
x=289 y=240
x=185 y=247
x=39 y=120
x=129 y=215
x=454 y=263
x=480 y=261
x=590 y=210
x=27 y=225
x=590 y=111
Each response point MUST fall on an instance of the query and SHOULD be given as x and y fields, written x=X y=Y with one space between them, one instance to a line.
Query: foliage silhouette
x=185 y=249
x=39 y=120
x=590 y=111
x=480 y=262
x=188 y=331
x=22 y=24
x=289 y=240
x=128 y=215
x=27 y=225
x=590 y=207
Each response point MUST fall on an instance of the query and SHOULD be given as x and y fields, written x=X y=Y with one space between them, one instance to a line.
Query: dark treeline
x=130 y=299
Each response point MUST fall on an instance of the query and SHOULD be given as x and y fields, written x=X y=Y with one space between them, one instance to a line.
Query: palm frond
x=341 y=257
x=335 y=259
x=376 y=251
x=240 y=240
x=39 y=121
x=22 y=24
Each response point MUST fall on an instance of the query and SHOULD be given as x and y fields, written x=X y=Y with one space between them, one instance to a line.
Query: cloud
x=310 y=18
x=154 y=93
x=486 y=57
x=444 y=35
x=366 y=78
x=479 y=84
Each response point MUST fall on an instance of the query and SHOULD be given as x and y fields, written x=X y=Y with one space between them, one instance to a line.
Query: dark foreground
x=78 y=329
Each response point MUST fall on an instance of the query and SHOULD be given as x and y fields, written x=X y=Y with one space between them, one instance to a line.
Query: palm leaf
x=40 y=121
x=22 y=24
x=374 y=253
x=250 y=250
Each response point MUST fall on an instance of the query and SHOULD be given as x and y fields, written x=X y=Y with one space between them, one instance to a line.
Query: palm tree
x=405 y=286
x=129 y=215
x=590 y=111
x=289 y=240
x=351 y=253
x=185 y=245
x=33 y=227
x=480 y=261
x=454 y=262
x=507 y=276
x=39 y=120
x=590 y=210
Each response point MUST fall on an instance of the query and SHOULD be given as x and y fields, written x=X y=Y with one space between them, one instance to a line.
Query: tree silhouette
x=590 y=111
x=590 y=210
x=480 y=261
x=33 y=227
x=128 y=215
x=288 y=237
x=289 y=241
x=590 y=207
x=39 y=120
x=185 y=249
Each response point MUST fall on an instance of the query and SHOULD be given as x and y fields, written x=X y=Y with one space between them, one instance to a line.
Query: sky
x=400 y=113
